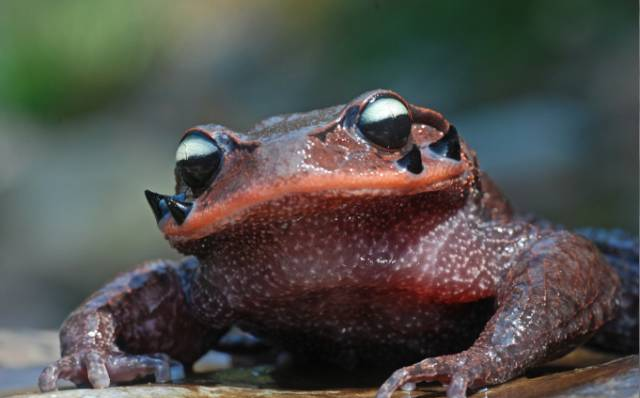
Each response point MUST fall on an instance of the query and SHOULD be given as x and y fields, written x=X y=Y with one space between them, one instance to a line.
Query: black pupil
x=197 y=171
x=391 y=132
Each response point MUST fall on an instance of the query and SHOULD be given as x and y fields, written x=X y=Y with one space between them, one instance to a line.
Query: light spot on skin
x=408 y=387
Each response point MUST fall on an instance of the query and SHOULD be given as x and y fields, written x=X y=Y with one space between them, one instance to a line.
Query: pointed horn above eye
x=412 y=161
x=448 y=145
x=156 y=202
x=178 y=209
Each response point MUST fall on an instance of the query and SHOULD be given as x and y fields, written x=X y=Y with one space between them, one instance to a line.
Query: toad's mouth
x=181 y=220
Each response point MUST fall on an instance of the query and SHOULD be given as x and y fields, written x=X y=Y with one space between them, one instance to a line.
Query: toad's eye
x=385 y=122
x=198 y=159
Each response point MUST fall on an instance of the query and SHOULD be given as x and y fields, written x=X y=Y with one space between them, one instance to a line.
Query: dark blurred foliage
x=94 y=95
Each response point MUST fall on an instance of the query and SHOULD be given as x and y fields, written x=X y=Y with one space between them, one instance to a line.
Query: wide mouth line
x=202 y=223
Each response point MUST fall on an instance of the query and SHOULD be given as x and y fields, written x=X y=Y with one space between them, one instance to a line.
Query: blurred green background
x=95 y=94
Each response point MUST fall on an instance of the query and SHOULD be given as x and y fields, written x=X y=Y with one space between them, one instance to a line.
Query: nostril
x=198 y=159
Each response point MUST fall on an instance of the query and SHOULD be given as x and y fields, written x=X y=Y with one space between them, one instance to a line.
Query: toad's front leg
x=559 y=292
x=131 y=327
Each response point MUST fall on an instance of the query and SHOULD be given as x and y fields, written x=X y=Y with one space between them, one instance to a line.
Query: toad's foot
x=100 y=368
x=459 y=371
x=554 y=297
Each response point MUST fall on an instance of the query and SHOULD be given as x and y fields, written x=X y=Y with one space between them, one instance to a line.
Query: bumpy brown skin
x=118 y=333
x=333 y=249
x=547 y=302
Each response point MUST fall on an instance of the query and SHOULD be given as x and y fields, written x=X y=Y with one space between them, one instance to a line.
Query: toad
x=363 y=235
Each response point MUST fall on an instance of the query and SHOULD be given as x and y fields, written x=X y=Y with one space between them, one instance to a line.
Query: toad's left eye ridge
x=385 y=122
x=198 y=158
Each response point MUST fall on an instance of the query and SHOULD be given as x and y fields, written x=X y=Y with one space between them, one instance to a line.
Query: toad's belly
x=355 y=327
